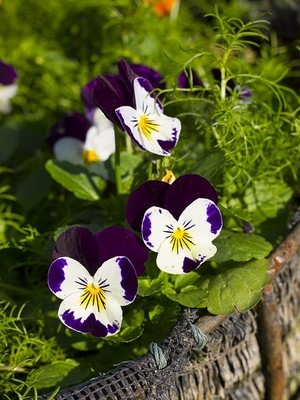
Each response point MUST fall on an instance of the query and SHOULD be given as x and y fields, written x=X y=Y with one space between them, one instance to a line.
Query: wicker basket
x=252 y=355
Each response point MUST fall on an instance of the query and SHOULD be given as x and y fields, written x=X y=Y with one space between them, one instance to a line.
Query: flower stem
x=150 y=170
x=118 y=163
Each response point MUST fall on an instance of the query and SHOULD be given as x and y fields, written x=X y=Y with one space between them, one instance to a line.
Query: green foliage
x=248 y=149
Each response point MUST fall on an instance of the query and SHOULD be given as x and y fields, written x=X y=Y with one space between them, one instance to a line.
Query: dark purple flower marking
x=56 y=275
x=190 y=265
x=214 y=218
x=128 y=283
x=146 y=229
x=90 y=325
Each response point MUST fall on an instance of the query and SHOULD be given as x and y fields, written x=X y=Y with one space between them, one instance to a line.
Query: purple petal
x=8 y=75
x=129 y=280
x=185 y=190
x=184 y=81
x=153 y=76
x=73 y=125
x=87 y=94
x=127 y=74
x=115 y=241
x=150 y=193
x=80 y=244
x=90 y=325
x=110 y=92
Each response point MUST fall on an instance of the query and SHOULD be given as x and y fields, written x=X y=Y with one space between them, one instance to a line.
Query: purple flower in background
x=75 y=140
x=185 y=81
x=95 y=275
x=128 y=100
x=8 y=86
x=177 y=221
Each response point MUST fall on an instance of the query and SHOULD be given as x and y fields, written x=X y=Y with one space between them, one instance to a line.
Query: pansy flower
x=128 y=101
x=8 y=86
x=75 y=140
x=177 y=221
x=95 y=275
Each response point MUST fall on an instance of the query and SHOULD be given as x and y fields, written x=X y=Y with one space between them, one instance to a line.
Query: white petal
x=184 y=260
x=102 y=141
x=69 y=149
x=67 y=276
x=157 y=226
x=89 y=319
x=197 y=221
x=6 y=93
x=118 y=278
x=100 y=120
x=143 y=100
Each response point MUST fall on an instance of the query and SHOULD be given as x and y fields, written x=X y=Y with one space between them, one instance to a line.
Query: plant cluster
x=134 y=188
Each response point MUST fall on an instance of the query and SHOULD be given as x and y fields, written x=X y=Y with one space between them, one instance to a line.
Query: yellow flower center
x=181 y=239
x=146 y=126
x=90 y=156
x=93 y=296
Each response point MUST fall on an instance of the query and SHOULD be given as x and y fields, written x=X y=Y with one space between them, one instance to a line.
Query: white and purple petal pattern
x=184 y=244
x=8 y=86
x=92 y=304
x=146 y=124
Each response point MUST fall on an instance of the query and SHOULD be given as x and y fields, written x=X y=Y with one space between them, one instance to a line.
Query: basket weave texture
x=253 y=355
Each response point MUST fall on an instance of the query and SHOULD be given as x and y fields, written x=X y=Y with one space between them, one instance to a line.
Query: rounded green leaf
x=237 y=289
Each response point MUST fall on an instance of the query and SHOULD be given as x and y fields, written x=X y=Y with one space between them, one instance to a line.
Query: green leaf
x=34 y=187
x=76 y=179
x=265 y=198
x=240 y=247
x=132 y=326
x=189 y=290
x=147 y=286
x=9 y=136
x=51 y=375
x=192 y=296
x=237 y=289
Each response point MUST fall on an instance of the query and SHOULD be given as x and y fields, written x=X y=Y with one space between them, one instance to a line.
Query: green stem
x=15 y=289
x=118 y=163
x=150 y=170
x=128 y=142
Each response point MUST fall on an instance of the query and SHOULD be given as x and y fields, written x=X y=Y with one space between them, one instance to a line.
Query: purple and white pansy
x=177 y=221
x=129 y=101
x=75 y=140
x=8 y=86
x=95 y=275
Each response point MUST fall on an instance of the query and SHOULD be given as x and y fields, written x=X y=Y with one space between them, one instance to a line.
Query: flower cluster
x=8 y=86
x=96 y=274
